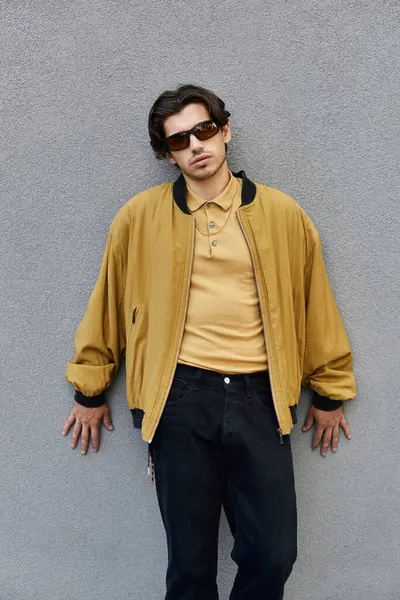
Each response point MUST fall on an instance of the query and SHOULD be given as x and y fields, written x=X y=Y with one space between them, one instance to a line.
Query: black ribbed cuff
x=324 y=403
x=90 y=401
x=137 y=416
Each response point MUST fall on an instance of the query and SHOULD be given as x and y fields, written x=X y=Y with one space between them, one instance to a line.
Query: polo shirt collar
x=179 y=191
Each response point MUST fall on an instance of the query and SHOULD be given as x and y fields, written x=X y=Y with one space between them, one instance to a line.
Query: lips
x=199 y=159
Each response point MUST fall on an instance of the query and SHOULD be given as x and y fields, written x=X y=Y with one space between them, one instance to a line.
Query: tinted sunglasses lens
x=178 y=142
x=206 y=131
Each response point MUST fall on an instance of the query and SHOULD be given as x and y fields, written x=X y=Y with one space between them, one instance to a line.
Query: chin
x=202 y=173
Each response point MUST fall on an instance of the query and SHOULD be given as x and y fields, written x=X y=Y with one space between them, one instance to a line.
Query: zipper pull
x=279 y=430
x=150 y=465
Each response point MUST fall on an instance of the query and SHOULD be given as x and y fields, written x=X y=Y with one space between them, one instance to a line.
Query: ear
x=171 y=158
x=226 y=132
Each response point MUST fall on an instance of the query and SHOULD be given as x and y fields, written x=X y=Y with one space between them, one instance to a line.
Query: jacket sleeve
x=100 y=337
x=328 y=368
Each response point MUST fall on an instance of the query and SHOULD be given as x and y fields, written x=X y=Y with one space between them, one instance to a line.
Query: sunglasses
x=181 y=140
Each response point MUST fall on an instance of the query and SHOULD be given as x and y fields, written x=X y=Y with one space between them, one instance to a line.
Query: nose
x=195 y=144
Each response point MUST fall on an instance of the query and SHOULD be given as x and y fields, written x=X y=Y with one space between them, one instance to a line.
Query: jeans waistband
x=245 y=381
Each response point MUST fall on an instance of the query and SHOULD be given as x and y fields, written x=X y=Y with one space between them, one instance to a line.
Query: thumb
x=107 y=419
x=308 y=422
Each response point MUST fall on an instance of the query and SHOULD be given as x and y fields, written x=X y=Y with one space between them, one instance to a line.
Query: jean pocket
x=179 y=391
x=264 y=399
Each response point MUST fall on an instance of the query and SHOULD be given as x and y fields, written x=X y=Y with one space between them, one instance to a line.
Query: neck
x=210 y=188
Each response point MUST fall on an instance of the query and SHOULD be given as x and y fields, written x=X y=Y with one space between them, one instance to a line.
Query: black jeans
x=217 y=444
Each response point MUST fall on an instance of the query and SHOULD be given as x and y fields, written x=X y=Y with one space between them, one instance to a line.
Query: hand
x=327 y=425
x=87 y=420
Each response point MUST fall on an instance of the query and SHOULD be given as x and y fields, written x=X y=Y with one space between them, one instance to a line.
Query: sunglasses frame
x=190 y=132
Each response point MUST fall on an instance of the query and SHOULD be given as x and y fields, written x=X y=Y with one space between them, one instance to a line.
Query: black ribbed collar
x=179 y=191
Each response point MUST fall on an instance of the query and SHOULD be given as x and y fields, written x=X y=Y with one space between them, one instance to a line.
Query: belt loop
x=247 y=385
x=197 y=379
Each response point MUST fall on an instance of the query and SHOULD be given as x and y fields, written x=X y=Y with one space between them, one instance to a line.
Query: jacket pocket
x=135 y=355
x=133 y=324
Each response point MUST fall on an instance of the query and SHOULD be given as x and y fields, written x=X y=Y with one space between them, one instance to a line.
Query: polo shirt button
x=214 y=243
x=212 y=225
x=208 y=204
x=227 y=380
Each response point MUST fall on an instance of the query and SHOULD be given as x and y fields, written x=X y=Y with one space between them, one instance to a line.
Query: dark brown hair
x=173 y=101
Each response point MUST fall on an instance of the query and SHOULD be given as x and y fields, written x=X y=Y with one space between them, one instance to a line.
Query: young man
x=215 y=290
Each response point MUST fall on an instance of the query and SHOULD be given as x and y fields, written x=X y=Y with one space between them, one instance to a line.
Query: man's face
x=213 y=149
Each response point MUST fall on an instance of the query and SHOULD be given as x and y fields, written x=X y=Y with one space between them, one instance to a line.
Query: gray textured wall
x=314 y=99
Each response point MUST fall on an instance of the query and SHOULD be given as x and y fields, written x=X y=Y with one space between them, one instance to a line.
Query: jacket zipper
x=182 y=330
x=263 y=319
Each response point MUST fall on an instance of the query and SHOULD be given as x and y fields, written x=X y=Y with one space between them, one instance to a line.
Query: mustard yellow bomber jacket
x=138 y=305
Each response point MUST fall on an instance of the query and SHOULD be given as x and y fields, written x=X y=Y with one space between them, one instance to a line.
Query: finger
x=325 y=440
x=308 y=422
x=346 y=428
x=68 y=424
x=95 y=438
x=335 y=438
x=107 y=420
x=84 y=439
x=317 y=437
x=76 y=433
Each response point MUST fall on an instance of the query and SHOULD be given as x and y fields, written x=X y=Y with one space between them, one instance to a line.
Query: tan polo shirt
x=223 y=329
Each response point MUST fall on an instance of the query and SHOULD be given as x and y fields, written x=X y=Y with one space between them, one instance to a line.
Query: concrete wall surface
x=313 y=88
